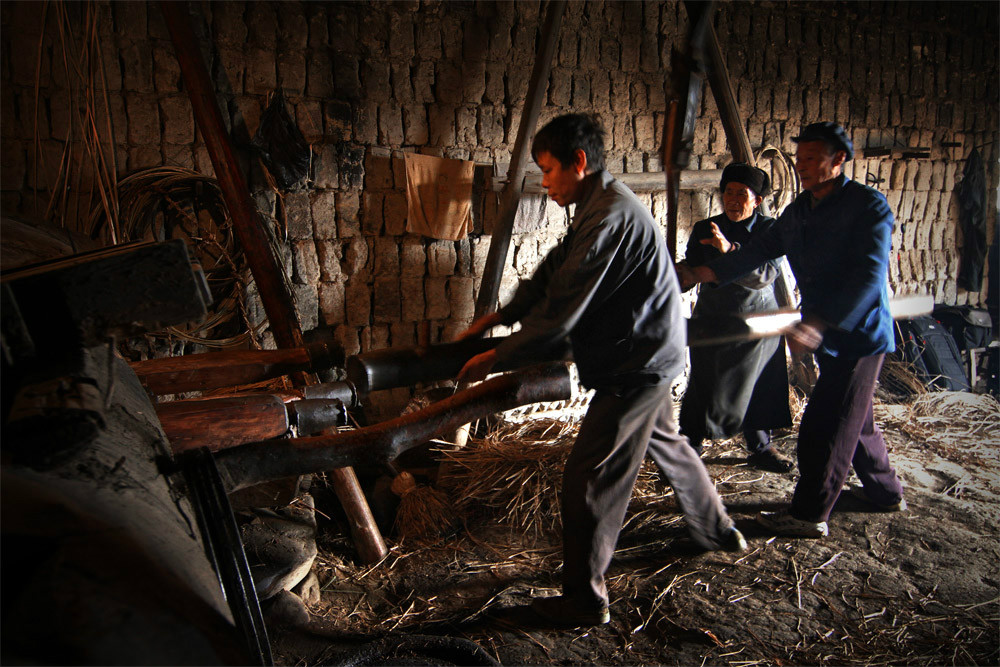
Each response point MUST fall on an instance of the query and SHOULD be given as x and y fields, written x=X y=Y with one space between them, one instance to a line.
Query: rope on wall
x=785 y=183
x=167 y=202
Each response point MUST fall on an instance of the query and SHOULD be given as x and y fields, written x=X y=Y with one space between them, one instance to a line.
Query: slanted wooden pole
x=486 y=302
x=739 y=141
x=266 y=272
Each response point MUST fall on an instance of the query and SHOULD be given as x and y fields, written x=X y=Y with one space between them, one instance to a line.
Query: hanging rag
x=972 y=216
x=281 y=145
x=438 y=196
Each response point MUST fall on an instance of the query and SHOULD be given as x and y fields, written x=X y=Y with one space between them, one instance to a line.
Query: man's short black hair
x=562 y=137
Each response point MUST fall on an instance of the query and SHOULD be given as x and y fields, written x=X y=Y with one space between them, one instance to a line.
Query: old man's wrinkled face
x=739 y=201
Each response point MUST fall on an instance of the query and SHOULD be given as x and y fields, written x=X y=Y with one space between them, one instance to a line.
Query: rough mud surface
x=918 y=587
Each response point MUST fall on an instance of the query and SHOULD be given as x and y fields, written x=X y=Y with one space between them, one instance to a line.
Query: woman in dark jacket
x=738 y=387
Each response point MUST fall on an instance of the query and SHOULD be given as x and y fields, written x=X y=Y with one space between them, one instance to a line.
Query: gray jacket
x=610 y=288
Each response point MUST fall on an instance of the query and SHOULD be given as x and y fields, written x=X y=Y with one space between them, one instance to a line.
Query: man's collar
x=838 y=184
x=591 y=184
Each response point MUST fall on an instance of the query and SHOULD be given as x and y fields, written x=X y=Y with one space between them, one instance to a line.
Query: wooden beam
x=253 y=239
x=486 y=302
x=645 y=181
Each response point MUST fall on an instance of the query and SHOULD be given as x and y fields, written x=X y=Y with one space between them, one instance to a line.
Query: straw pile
x=959 y=426
x=514 y=473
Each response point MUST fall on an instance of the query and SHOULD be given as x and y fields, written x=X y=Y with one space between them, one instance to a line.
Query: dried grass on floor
x=962 y=425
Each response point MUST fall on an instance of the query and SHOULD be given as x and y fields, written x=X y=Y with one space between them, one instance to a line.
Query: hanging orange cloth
x=438 y=196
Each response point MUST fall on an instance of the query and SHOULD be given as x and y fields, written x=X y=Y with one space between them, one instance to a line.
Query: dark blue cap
x=829 y=132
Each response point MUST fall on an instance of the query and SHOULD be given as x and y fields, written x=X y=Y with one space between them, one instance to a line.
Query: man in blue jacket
x=610 y=290
x=837 y=237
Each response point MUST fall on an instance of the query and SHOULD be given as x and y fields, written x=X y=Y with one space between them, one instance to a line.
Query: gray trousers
x=619 y=429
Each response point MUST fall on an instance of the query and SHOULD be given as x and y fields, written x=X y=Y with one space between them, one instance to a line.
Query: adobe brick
x=348 y=207
x=291 y=72
x=372 y=221
x=324 y=214
x=329 y=255
x=307 y=306
x=441 y=258
x=358 y=303
x=489 y=126
x=560 y=87
x=378 y=169
x=331 y=303
x=473 y=81
x=390 y=125
x=387 y=300
x=442 y=125
x=413 y=303
x=394 y=212
x=465 y=126
x=437 y=305
x=306 y=263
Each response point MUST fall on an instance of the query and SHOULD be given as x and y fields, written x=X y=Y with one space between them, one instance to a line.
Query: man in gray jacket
x=610 y=289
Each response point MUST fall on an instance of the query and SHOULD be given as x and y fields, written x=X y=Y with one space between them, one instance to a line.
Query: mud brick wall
x=367 y=82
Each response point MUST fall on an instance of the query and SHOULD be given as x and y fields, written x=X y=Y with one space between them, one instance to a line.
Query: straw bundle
x=424 y=512
x=515 y=471
x=898 y=380
x=514 y=474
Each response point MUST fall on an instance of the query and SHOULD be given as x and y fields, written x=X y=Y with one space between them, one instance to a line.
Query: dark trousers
x=757 y=441
x=617 y=432
x=838 y=430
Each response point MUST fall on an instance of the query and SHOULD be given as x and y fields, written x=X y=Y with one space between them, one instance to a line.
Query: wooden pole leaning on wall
x=736 y=136
x=489 y=290
x=276 y=299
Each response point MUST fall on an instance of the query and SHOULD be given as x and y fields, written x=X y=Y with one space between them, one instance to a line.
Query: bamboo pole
x=486 y=302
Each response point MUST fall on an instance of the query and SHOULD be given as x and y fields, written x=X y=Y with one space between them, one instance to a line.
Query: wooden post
x=725 y=99
x=276 y=299
x=486 y=302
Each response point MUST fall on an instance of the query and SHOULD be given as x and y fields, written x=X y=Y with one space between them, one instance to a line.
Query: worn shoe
x=734 y=541
x=783 y=523
x=862 y=495
x=770 y=460
x=563 y=612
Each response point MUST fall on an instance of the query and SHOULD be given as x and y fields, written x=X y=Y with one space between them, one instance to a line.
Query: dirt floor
x=918 y=587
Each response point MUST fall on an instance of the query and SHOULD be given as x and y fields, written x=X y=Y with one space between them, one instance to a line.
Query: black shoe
x=560 y=611
x=770 y=460
x=860 y=493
